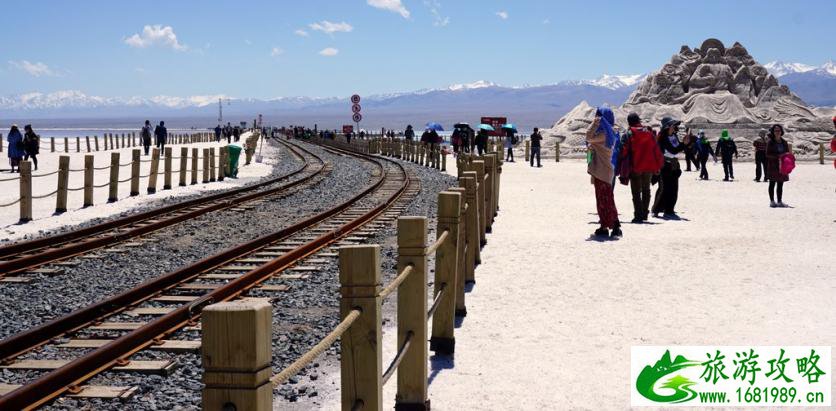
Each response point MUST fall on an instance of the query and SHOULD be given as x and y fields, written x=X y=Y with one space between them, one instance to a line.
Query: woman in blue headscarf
x=600 y=138
x=15 y=140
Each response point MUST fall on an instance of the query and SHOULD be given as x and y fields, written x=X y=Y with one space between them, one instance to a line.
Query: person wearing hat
x=726 y=149
x=641 y=149
x=760 y=155
x=409 y=134
x=668 y=191
x=16 y=151
x=775 y=148
x=703 y=151
x=600 y=138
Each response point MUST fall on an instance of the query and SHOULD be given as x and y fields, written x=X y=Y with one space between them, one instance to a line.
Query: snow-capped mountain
x=612 y=82
x=781 y=69
x=471 y=86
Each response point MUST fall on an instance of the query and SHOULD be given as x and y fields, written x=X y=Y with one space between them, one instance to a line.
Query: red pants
x=607 y=213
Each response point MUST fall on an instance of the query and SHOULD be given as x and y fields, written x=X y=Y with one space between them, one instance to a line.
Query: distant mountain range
x=527 y=106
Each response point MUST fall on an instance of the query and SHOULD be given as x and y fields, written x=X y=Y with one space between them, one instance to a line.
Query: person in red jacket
x=646 y=160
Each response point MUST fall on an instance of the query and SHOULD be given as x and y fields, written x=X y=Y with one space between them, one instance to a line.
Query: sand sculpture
x=710 y=87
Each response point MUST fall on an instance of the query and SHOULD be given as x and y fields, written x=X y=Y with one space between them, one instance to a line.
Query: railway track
x=32 y=256
x=173 y=302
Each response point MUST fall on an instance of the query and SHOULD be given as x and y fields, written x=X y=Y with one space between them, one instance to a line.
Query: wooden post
x=77 y=144
x=236 y=352
x=490 y=188
x=89 y=163
x=135 y=162
x=96 y=139
x=479 y=167
x=63 y=180
x=104 y=139
x=122 y=141
x=52 y=144
x=205 y=165
x=446 y=272
x=194 y=166
x=66 y=145
x=361 y=353
x=412 y=314
x=87 y=140
x=167 y=169
x=444 y=161
x=112 y=145
x=184 y=157
x=821 y=153
x=212 y=164
x=25 y=191
x=557 y=151
x=155 y=167
x=222 y=153
x=527 y=150
x=113 y=192
x=468 y=180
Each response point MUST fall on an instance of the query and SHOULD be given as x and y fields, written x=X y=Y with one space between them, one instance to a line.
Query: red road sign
x=348 y=129
x=496 y=123
x=355 y=98
x=355 y=108
x=357 y=117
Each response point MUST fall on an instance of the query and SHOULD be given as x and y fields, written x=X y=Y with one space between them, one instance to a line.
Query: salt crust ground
x=553 y=314
x=43 y=209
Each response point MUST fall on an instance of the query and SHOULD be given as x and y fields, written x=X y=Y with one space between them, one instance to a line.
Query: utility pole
x=221 y=110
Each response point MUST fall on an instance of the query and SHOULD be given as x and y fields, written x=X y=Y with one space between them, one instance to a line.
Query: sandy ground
x=553 y=314
x=43 y=210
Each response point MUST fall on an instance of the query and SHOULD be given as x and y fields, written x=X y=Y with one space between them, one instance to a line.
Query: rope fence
x=465 y=215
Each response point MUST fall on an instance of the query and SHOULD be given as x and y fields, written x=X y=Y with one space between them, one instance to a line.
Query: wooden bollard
x=479 y=167
x=25 y=191
x=104 y=139
x=112 y=145
x=155 y=168
x=205 y=165
x=212 y=164
x=77 y=144
x=446 y=272
x=96 y=140
x=490 y=189
x=527 y=150
x=821 y=153
x=236 y=353
x=135 y=162
x=66 y=145
x=222 y=153
x=468 y=181
x=361 y=354
x=87 y=140
x=63 y=180
x=184 y=158
x=557 y=151
x=52 y=145
x=167 y=169
x=194 y=166
x=444 y=161
x=461 y=254
x=122 y=141
x=113 y=191
x=412 y=313
x=89 y=163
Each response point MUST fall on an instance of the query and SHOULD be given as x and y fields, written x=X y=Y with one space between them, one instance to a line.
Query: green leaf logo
x=681 y=385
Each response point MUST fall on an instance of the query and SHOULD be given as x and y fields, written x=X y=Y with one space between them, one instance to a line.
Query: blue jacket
x=15 y=140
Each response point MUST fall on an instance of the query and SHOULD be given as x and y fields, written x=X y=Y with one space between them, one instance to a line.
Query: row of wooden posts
x=111 y=141
x=236 y=339
x=210 y=169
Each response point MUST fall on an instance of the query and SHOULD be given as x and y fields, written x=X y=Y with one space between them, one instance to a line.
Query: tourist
x=775 y=148
x=760 y=155
x=236 y=133
x=510 y=139
x=481 y=141
x=668 y=191
x=15 y=147
x=426 y=137
x=218 y=133
x=703 y=151
x=600 y=138
x=691 y=151
x=456 y=140
x=161 y=134
x=535 y=147
x=409 y=134
x=645 y=161
x=471 y=140
x=145 y=136
x=31 y=145
x=726 y=149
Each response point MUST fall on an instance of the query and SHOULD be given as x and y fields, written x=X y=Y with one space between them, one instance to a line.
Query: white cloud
x=37 y=69
x=438 y=19
x=276 y=51
x=328 y=52
x=301 y=33
x=156 y=34
x=328 y=27
x=394 y=6
x=502 y=14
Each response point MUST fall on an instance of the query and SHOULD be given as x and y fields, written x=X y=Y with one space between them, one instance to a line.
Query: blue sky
x=228 y=47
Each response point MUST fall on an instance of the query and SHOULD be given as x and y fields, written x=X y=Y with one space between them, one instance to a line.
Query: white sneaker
x=773 y=204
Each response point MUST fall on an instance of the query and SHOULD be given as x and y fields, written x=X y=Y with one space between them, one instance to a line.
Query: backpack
x=786 y=163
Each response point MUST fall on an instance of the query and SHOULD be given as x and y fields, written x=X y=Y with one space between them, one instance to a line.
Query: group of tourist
x=160 y=134
x=22 y=147
x=228 y=132
x=642 y=158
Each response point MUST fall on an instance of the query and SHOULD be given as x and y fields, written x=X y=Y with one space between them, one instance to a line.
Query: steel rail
x=50 y=385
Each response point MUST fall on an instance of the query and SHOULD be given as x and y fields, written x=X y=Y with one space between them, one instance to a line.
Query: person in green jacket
x=726 y=149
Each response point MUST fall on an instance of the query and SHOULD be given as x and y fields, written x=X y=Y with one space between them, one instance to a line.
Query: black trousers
x=760 y=165
x=690 y=158
x=668 y=191
x=772 y=186
x=509 y=156
x=703 y=169
x=640 y=188
x=535 y=151
x=728 y=169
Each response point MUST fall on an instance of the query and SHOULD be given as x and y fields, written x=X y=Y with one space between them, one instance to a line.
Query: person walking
x=228 y=133
x=510 y=140
x=691 y=151
x=760 y=155
x=726 y=149
x=145 y=136
x=456 y=140
x=645 y=162
x=535 y=138
x=775 y=148
x=600 y=138
x=16 y=151
x=704 y=149
x=161 y=135
x=236 y=133
x=482 y=141
x=218 y=133
x=668 y=191
x=31 y=145
x=409 y=133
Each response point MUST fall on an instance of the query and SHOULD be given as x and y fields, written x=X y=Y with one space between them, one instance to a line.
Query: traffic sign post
x=355 y=108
